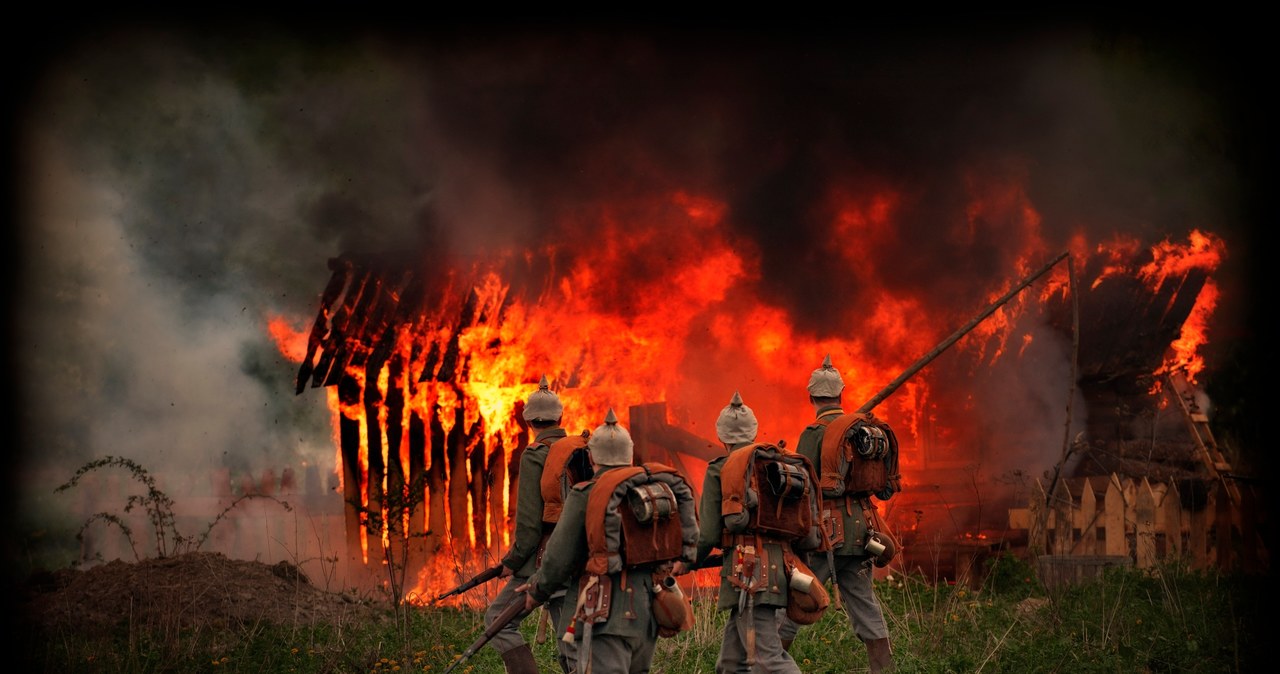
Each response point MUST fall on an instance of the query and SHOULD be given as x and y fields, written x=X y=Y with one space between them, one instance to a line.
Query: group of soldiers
x=546 y=563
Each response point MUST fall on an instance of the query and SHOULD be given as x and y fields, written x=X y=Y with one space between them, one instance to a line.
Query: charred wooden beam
x=341 y=268
x=655 y=439
x=352 y=472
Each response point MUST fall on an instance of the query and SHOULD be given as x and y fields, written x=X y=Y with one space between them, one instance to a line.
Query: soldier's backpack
x=568 y=463
x=771 y=492
x=860 y=458
x=639 y=516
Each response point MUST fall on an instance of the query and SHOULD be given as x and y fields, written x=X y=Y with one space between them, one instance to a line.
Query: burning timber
x=1124 y=329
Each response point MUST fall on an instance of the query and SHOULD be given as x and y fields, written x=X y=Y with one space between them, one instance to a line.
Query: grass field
x=1163 y=620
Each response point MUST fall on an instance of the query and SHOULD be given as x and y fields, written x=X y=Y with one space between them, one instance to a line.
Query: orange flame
x=664 y=307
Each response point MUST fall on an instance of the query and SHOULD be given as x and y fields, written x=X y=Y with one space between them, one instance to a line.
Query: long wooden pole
x=955 y=336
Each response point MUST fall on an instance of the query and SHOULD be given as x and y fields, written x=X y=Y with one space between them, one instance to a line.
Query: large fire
x=659 y=302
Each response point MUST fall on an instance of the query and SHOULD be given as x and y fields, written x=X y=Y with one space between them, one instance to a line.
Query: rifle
x=480 y=578
x=955 y=336
x=515 y=612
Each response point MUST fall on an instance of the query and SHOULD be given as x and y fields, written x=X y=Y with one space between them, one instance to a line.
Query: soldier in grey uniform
x=543 y=411
x=736 y=427
x=853 y=565
x=624 y=643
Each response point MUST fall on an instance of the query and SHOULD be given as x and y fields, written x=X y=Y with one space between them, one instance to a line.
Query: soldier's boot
x=519 y=660
x=786 y=644
x=879 y=657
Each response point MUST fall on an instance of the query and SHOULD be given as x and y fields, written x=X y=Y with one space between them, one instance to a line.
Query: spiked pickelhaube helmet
x=737 y=423
x=543 y=404
x=825 y=382
x=610 y=444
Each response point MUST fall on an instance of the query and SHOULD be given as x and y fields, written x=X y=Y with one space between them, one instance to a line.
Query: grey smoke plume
x=178 y=189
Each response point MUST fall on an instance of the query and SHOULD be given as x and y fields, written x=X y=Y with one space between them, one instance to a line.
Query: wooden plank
x=1145 y=525
x=1020 y=518
x=1171 y=507
x=1114 y=520
x=1037 y=536
x=1062 y=525
x=1089 y=514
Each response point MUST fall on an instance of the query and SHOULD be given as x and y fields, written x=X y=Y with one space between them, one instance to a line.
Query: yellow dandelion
x=961 y=594
x=225 y=659
x=807 y=661
x=383 y=661
x=293 y=650
x=1139 y=621
x=216 y=663
x=395 y=668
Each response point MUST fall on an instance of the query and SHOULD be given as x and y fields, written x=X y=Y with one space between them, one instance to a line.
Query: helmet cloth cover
x=825 y=382
x=737 y=423
x=610 y=444
x=543 y=404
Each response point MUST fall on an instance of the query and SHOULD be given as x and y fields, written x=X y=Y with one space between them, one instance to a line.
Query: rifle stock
x=480 y=578
x=515 y=611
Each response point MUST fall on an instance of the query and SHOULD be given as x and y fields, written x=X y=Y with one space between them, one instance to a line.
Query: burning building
x=426 y=364
x=652 y=222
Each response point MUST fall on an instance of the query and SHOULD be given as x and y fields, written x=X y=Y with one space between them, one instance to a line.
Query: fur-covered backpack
x=860 y=458
x=771 y=492
x=639 y=516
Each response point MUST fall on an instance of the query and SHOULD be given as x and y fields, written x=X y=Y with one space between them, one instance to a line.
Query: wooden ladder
x=1198 y=423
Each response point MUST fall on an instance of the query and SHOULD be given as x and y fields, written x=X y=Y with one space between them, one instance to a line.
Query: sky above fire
x=178 y=189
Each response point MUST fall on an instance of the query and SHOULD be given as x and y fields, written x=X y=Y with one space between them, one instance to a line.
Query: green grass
x=1163 y=620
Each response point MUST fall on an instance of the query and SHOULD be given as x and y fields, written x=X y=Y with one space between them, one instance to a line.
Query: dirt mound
x=198 y=589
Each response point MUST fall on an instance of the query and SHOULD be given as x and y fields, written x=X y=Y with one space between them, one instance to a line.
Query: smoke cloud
x=176 y=189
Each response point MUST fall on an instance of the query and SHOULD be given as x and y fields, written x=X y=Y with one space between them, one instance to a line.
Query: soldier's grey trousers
x=857 y=596
x=770 y=656
x=613 y=654
x=510 y=637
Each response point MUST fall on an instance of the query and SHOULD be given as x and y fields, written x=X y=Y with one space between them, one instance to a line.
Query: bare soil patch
x=192 y=590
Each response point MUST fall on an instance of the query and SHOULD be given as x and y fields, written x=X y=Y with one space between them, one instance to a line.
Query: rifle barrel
x=482 y=577
x=955 y=336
